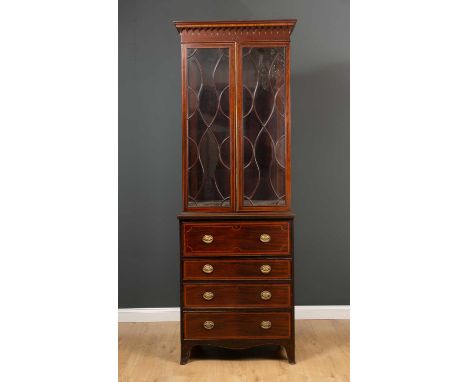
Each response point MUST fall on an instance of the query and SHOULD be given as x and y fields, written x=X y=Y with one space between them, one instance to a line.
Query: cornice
x=254 y=30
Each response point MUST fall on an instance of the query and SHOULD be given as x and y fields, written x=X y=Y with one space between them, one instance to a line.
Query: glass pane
x=209 y=164
x=264 y=126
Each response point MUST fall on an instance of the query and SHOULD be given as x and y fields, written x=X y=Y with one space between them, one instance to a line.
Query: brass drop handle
x=265 y=295
x=208 y=325
x=207 y=239
x=265 y=238
x=208 y=295
x=265 y=324
x=208 y=268
x=265 y=269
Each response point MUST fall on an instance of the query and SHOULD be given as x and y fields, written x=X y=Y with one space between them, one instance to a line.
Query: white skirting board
x=302 y=312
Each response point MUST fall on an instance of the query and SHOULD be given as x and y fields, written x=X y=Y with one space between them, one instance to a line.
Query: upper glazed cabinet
x=236 y=116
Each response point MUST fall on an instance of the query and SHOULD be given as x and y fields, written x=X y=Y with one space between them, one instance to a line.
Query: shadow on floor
x=259 y=352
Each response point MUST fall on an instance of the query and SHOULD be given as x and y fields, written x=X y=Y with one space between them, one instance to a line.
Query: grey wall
x=150 y=144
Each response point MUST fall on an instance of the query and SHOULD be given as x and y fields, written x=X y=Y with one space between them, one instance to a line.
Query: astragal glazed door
x=209 y=130
x=264 y=128
x=236 y=121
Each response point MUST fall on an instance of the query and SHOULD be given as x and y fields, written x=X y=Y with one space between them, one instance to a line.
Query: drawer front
x=236 y=269
x=237 y=295
x=237 y=325
x=236 y=238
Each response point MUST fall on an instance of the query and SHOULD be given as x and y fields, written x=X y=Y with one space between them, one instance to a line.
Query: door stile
x=238 y=126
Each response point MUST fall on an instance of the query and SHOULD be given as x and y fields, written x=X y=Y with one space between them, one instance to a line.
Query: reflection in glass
x=263 y=122
x=208 y=127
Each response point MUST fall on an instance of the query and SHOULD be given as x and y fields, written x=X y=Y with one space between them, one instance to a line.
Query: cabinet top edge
x=235 y=216
x=287 y=23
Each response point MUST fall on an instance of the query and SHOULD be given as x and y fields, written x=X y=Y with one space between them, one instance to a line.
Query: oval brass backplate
x=208 y=295
x=208 y=268
x=207 y=239
x=265 y=268
x=208 y=325
x=265 y=295
x=265 y=324
x=265 y=238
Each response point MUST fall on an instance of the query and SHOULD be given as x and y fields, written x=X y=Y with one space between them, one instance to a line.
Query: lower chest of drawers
x=237 y=283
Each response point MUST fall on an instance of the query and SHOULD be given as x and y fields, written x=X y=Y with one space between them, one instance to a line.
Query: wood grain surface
x=237 y=269
x=236 y=238
x=150 y=352
x=237 y=295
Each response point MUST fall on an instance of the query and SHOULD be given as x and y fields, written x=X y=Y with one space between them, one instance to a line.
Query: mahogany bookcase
x=236 y=228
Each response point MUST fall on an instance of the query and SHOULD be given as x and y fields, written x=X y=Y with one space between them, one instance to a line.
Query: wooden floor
x=149 y=352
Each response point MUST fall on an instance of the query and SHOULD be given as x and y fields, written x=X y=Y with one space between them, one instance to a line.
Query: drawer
x=236 y=269
x=236 y=238
x=237 y=295
x=237 y=325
